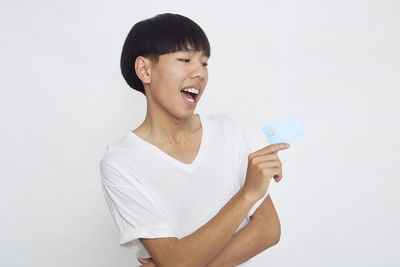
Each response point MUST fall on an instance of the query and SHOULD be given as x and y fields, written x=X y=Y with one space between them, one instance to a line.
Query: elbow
x=276 y=233
x=278 y=230
x=272 y=236
x=275 y=230
x=269 y=233
x=276 y=237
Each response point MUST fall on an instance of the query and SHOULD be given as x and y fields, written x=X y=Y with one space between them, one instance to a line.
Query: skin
x=171 y=125
x=168 y=119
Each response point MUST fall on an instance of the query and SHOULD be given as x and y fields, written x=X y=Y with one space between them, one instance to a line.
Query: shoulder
x=118 y=156
x=114 y=151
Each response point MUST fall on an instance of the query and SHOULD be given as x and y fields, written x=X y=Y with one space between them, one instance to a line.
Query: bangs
x=177 y=34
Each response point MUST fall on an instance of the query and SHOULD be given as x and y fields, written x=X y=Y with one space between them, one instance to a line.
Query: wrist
x=247 y=196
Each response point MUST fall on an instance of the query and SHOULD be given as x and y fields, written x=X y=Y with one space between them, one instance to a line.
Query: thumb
x=143 y=260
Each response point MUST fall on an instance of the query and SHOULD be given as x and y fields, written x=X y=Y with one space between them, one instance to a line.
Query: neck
x=163 y=126
x=167 y=128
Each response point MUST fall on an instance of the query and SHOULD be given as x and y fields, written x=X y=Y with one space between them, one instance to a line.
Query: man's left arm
x=263 y=231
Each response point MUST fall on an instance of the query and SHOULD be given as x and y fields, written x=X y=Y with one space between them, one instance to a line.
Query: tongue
x=187 y=94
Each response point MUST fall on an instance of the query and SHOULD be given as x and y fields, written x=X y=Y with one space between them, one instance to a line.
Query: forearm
x=251 y=240
x=199 y=248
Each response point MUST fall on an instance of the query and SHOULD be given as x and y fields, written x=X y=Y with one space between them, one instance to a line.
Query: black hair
x=161 y=34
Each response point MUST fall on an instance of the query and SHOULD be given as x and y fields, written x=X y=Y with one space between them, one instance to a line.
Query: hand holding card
x=283 y=130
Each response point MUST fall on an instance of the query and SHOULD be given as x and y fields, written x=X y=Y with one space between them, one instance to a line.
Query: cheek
x=206 y=77
x=174 y=76
x=163 y=78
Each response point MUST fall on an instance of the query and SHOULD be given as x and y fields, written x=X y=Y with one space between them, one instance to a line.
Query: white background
x=334 y=63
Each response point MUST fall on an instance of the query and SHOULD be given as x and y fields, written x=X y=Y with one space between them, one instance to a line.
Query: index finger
x=272 y=148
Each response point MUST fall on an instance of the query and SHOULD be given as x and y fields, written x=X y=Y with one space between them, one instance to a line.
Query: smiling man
x=185 y=189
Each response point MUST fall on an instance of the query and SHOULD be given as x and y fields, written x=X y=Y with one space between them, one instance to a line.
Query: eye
x=188 y=60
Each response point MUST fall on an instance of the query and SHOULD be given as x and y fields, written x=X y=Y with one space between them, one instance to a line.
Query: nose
x=198 y=70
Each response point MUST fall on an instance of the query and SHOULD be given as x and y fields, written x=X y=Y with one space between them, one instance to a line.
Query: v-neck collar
x=179 y=164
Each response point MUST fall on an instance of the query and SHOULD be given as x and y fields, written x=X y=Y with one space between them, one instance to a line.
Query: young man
x=185 y=189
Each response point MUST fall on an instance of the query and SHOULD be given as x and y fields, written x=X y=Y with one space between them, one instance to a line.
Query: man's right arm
x=199 y=248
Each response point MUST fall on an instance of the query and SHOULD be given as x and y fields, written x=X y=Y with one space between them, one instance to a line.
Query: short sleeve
x=133 y=213
x=244 y=149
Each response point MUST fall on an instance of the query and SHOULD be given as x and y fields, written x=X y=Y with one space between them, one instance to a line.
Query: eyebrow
x=194 y=51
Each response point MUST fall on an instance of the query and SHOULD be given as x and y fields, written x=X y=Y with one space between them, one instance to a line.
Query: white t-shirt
x=151 y=195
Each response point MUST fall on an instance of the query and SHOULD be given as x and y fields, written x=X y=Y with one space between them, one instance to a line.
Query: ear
x=142 y=69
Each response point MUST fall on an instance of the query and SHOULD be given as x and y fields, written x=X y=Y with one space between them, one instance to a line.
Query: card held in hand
x=283 y=130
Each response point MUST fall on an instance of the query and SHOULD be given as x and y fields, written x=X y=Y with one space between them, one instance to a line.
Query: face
x=173 y=72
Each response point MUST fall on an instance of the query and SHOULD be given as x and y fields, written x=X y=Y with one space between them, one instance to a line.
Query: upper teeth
x=192 y=90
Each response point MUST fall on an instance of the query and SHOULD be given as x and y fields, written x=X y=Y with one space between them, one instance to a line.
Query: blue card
x=283 y=130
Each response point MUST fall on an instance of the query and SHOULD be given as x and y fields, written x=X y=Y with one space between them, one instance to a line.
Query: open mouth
x=191 y=97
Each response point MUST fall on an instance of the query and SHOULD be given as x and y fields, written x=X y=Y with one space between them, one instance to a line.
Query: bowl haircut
x=161 y=34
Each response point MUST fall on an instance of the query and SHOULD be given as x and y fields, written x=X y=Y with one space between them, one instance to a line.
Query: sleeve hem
x=258 y=203
x=158 y=231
